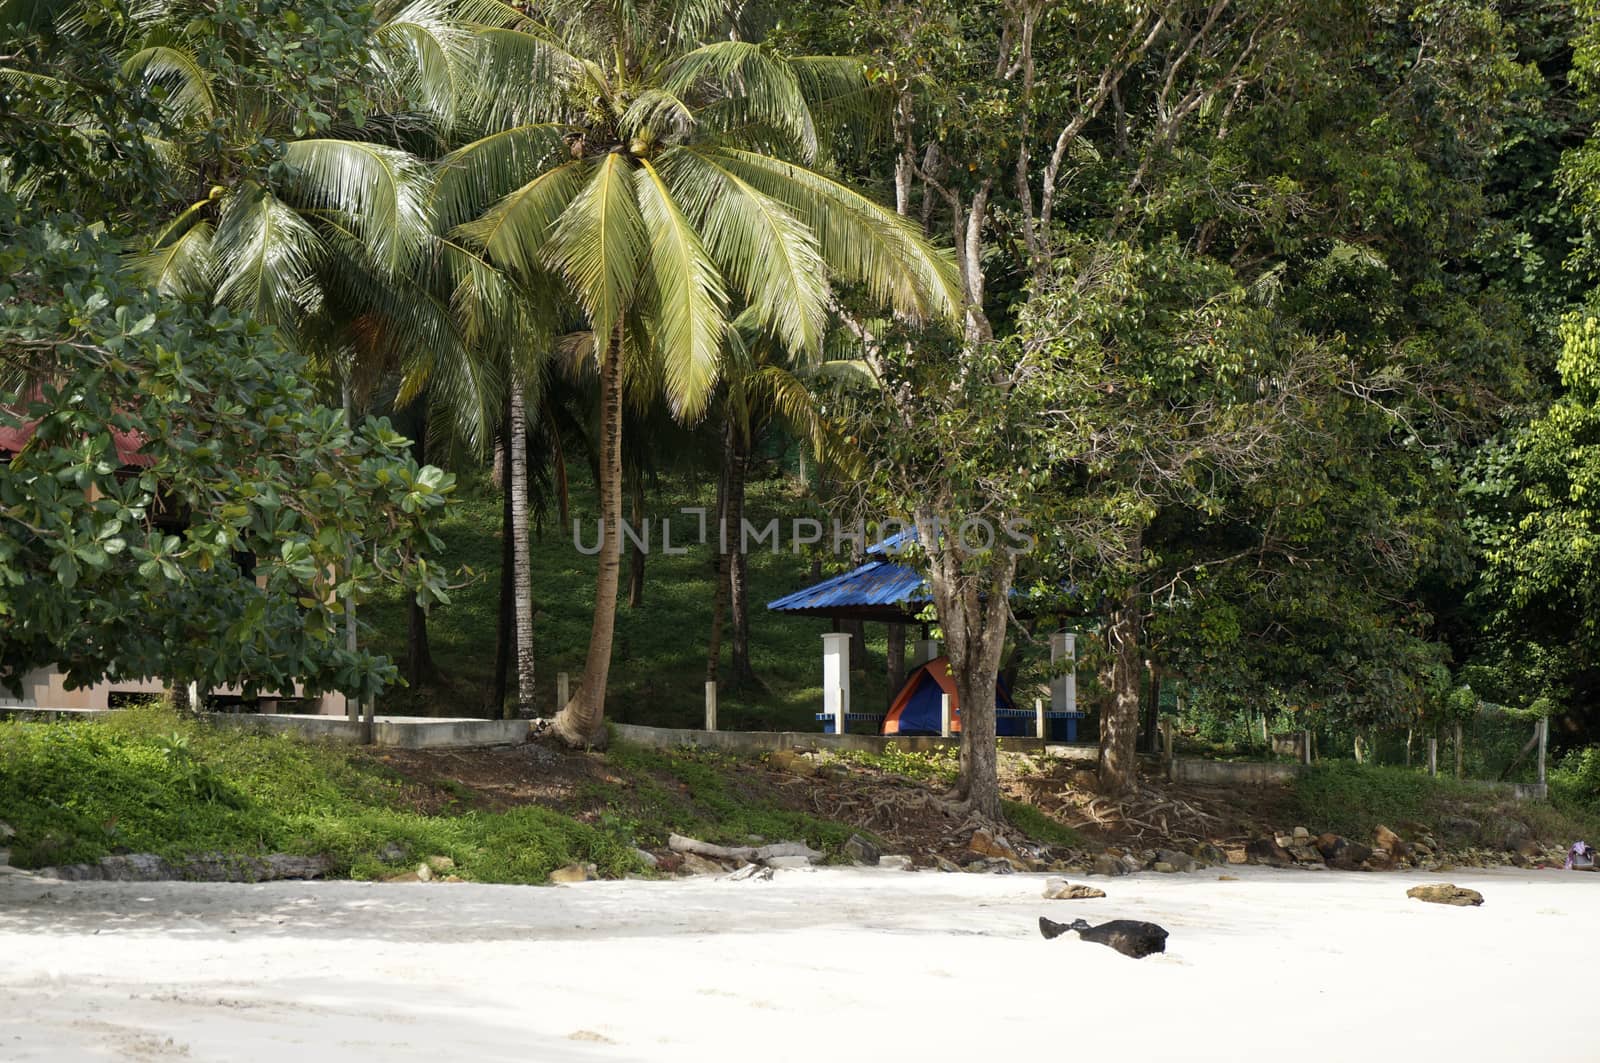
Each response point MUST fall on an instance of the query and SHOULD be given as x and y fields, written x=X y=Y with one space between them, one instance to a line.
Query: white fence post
x=1544 y=742
x=1433 y=757
x=1038 y=714
x=563 y=691
x=1064 y=687
x=944 y=715
x=711 y=704
x=836 y=677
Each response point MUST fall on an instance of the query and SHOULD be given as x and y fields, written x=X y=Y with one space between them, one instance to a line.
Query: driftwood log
x=762 y=854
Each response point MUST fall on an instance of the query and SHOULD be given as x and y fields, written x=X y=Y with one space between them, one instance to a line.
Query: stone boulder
x=795 y=763
x=568 y=874
x=1387 y=840
x=695 y=864
x=1106 y=864
x=1267 y=851
x=1341 y=853
x=1177 y=861
x=862 y=851
x=991 y=845
x=1446 y=893
x=896 y=863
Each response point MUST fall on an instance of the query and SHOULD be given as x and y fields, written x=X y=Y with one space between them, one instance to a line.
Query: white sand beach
x=831 y=964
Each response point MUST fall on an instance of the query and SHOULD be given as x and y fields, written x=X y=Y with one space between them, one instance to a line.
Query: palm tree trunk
x=420 y=668
x=582 y=721
x=522 y=562
x=743 y=676
x=719 y=565
x=635 y=552
x=503 y=636
x=352 y=708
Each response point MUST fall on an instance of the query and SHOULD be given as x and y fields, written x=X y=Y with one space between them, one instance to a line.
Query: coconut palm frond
x=172 y=66
x=381 y=192
x=515 y=231
x=599 y=244
x=688 y=303
x=861 y=240
x=478 y=174
x=764 y=251
x=425 y=53
x=752 y=87
x=183 y=266
x=265 y=258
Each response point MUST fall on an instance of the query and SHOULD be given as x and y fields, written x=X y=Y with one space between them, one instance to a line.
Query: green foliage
x=1041 y=826
x=148 y=781
x=1575 y=782
x=129 y=566
x=933 y=766
x=698 y=793
x=1352 y=799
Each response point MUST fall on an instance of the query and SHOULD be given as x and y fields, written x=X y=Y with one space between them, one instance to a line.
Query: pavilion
x=881 y=590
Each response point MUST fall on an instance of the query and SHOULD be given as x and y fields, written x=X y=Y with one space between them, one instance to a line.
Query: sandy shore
x=832 y=964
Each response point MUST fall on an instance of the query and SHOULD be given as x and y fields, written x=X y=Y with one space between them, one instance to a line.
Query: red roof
x=127 y=444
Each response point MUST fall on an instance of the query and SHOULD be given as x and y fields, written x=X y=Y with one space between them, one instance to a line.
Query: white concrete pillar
x=1038 y=719
x=563 y=691
x=711 y=704
x=836 y=676
x=927 y=650
x=1064 y=687
x=944 y=715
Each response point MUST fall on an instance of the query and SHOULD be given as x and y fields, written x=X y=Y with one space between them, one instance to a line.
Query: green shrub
x=1040 y=825
x=147 y=780
x=1352 y=799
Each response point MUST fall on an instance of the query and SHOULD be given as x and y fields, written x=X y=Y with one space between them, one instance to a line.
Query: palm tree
x=762 y=383
x=660 y=183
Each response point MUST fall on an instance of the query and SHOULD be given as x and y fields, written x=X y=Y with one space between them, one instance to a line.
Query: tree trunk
x=420 y=668
x=582 y=721
x=352 y=708
x=503 y=626
x=743 y=677
x=719 y=564
x=1119 y=721
x=895 y=659
x=1458 y=749
x=973 y=611
x=521 y=551
x=1152 y=714
x=635 y=552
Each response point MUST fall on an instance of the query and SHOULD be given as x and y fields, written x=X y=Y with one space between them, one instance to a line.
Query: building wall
x=46 y=688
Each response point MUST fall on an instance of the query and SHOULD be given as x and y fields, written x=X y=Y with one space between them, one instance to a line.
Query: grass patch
x=699 y=793
x=1040 y=825
x=929 y=766
x=145 y=780
x=1352 y=799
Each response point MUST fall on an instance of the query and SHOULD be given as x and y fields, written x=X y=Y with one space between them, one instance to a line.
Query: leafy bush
x=1575 y=781
x=1352 y=799
x=145 y=780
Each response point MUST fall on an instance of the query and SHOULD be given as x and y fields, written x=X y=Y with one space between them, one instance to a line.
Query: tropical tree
x=663 y=185
x=762 y=385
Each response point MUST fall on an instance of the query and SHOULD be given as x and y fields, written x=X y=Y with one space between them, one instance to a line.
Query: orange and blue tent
x=917 y=708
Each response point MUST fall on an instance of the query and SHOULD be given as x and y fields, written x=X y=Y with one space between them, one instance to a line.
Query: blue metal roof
x=877 y=586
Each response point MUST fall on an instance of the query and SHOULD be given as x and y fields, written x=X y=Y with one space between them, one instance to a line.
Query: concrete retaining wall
x=1234 y=772
x=767 y=741
x=403 y=732
x=1517 y=791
